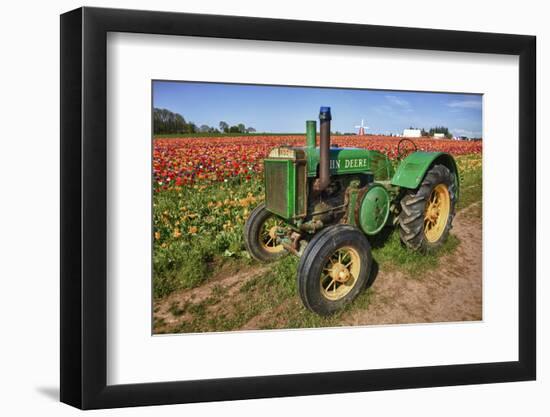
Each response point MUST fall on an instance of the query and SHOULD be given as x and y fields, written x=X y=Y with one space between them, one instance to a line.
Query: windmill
x=362 y=127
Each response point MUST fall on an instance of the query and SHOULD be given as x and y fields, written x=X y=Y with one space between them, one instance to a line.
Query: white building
x=412 y=133
x=439 y=135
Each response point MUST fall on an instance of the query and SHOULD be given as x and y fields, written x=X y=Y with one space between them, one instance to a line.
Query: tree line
x=166 y=122
x=437 y=129
x=434 y=130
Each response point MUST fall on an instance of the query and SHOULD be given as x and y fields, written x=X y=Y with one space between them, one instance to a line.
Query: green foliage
x=471 y=179
x=196 y=228
x=441 y=129
x=436 y=129
x=180 y=265
x=224 y=127
x=165 y=121
x=390 y=254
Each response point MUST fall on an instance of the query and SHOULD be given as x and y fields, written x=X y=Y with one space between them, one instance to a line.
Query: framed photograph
x=256 y=208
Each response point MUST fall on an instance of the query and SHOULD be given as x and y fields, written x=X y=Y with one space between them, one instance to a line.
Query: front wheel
x=334 y=269
x=261 y=235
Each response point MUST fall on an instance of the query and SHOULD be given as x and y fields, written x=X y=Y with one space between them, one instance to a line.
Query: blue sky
x=285 y=109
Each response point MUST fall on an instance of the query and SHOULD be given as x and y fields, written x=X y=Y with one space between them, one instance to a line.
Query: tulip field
x=180 y=162
x=204 y=188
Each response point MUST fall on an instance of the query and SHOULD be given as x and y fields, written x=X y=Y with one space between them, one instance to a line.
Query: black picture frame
x=84 y=207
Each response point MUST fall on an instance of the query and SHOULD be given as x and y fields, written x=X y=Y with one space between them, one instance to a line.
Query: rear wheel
x=261 y=235
x=427 y=213
x=334 y=269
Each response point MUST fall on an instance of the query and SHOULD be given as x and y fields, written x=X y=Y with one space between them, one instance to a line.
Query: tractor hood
x=351 y=161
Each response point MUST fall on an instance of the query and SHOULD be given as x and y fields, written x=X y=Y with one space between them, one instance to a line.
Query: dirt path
x=452 y=292
x=172 y=310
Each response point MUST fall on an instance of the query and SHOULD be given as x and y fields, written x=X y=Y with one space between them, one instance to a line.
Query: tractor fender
x=413 y=168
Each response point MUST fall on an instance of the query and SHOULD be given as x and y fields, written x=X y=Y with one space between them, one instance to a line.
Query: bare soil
x=452 y=292
x=169 y=312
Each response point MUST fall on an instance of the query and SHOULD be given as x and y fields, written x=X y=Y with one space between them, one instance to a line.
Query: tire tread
x=411 y=218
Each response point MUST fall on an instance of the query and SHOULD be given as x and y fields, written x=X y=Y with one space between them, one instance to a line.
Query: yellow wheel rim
x=340 y=273
x=268 y=235
x=436 y=213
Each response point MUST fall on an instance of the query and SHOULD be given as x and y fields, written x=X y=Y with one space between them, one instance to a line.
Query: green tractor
x=323 y=202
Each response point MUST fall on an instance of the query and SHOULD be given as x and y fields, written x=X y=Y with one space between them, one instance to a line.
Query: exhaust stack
x=324 y=150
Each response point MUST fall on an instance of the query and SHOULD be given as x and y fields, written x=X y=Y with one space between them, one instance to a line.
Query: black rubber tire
x=252 y=229
x=413 y=205
x=316 y=254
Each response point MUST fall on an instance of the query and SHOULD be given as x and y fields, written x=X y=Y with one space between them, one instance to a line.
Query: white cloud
x=396 y=101
x=465 y=104
x=384 y=108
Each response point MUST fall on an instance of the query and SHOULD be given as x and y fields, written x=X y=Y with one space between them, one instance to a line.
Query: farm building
x=439 y=135
x=412 y=133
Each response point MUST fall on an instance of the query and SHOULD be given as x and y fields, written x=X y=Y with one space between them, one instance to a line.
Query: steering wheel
x=403 y=150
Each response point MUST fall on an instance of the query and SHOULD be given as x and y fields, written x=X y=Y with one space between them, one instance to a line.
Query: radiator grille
x=276 y=186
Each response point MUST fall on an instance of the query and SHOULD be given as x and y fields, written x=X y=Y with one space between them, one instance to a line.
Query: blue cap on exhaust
x=324 y=113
